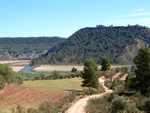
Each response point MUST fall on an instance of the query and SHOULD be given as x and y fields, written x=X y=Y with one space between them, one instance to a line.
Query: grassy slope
x=62 y=84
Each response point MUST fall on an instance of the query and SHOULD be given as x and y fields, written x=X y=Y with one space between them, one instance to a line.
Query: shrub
x=114 y=85
x=109 y=73
x=91 y=91
x=118 y=69
x=98 y=105
x=56 y=75
x=132 y=109
x=146 y=106
x=112 y=96
x=43 y=76
x=18 y=109
x=32 y=110
x=74 y=70
x=48 y=107
x=108 y=83
x=119 y=104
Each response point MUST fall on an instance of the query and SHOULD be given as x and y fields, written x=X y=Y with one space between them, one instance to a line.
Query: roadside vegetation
x=131 y=95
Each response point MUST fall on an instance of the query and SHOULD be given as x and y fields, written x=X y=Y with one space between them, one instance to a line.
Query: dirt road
x=79 y=106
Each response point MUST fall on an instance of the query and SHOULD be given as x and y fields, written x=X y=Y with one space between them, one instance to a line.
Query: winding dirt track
x=79 y=106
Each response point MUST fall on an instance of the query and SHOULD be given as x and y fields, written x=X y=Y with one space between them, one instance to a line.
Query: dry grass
x=60 y=84
x=15 y=62
x=17 y=68
x=66 y=67
x=58 y=67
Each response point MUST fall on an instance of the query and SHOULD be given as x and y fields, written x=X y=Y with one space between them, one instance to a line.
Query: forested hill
x=25 y=47
x=120 y=44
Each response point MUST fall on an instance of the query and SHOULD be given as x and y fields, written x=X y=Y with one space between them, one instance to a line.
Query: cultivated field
x=33 y=93
x=61 y=84
x=27 y=97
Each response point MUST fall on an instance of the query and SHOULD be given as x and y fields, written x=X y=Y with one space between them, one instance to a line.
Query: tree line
x=27 y=44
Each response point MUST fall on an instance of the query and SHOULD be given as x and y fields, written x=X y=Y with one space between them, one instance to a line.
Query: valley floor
x=18 y=65
x=33 y=93
x=51 y=68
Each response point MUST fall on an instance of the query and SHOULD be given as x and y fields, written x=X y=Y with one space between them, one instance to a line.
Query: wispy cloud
x=140 y=10
x=137 y=14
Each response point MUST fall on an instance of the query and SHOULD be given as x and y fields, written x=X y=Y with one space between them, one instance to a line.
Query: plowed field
x=27 y=97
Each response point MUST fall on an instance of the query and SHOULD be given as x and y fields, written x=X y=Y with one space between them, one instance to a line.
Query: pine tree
x=90 y=74
x=142 y=62
x=105 y=64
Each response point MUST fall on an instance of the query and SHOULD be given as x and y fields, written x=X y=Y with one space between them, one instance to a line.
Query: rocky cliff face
x=132 y=50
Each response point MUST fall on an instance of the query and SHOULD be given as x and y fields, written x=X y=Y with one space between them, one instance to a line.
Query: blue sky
x=64 y=17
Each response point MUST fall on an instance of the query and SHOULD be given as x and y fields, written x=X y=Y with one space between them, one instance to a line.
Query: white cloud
x=140 y=10
x=137 y=14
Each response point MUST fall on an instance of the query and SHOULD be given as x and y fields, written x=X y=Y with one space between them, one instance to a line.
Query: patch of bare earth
x=66 y=67
x=27 y=97
x=15 y=62
x=124 y=77
x=17 y=68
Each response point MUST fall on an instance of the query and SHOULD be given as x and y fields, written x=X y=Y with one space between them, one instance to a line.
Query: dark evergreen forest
x=96 y=43
x=27 y=44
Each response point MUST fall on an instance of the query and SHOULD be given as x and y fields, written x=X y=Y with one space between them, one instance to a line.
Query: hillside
x=23 y=48
x=120 y=44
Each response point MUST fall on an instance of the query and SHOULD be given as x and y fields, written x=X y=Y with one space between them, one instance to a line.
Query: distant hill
x=120 y=44
x=26 y=47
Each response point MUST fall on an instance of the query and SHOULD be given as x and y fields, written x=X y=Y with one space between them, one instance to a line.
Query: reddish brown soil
x=27 y=97
x=115 y=76
x=124 y=77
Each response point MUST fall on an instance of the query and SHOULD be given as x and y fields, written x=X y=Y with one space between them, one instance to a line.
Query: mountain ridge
x=26 y=48
x=98 y=42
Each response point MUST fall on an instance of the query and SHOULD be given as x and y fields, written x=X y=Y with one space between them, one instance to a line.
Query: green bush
x=119 y=104
x=132 y=109
x=109 y=73
x=98 y=105
x=143 y=106
x=114 y=85
x=146 y=106
x=56 y=75
x=92 y=91
x=108 y=83
x=112 y=96
x=48 y=107
x=74 y=70
x=43 y=76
